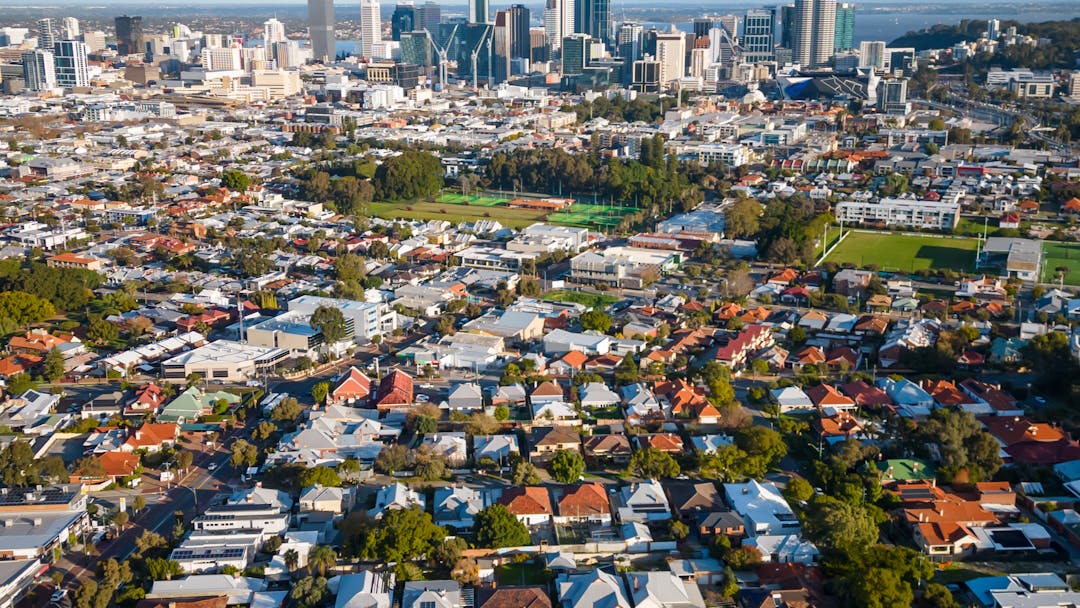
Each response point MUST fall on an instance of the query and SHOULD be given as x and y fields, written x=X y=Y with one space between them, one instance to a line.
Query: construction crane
x=441 y=50
x=476 y=52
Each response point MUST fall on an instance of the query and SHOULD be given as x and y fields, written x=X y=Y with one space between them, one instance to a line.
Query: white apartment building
x=900 y=212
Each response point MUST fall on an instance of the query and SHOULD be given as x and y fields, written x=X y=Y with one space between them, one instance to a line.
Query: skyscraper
x=370 y=27
x=69 y=28
x=558 y=21
x=845 y=26
x=128 y=34
x=872 y=54
x=321 y=29
x=286 y=54
x=71 y=67
x=520 y=46
x=814 y=32
x=39 y=70
x=538 y=45
x=273 y=31
x=479 y=11
x=593 y=17
x=428 y=17
x=47 y=31
x=575 y=49
x=403 y=20
x=702 y=25
x=759 y=35
x=502 y=43
x=787 y=26
x=671 y=53
x=416 y=48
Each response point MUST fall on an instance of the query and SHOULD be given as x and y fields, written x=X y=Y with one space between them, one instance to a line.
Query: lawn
x=511 y=218
x=522 y=574
x=905 y=253
x=1061 y=254
x=587 y=215
x=596 y=301
x=481 y=201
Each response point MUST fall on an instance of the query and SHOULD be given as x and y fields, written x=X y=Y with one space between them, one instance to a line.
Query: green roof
x=190 y=404
x=902 y=469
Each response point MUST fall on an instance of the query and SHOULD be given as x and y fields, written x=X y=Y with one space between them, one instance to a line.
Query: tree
x=480 y=423
x=391 y=459
x=309 y=592
x=939 y=596
x=567 y=466
x=797 y=335
x=321 y=559
x=448 y=553
x=502 y=413
x=292 y=559
x=596 y=320
x=743 y=558
x=243 y=454
x=235 y=180
x=524 y=474
x=120 y=519
x=496 y=528
x=24 y=308
x=651 y=463
x=183 y=460
x=287 y=411
x=678 y=529
x=965 y=447
x=52 y=369
x=320 y=391
x=763 y=442
x=445 y=325
x=840 y=527
x=138 y=504
x=466 y=572
x=84 y=595
x=263 y=431
x=409 y=176
x=878 y=588
x=320 y=475
x=742 y=218
x=329 y=322
x=149 y=540
x=428 y=465
x=628 y=370
x=102 y=332
x=20 y=383
x=798 y=490
x=401 y=535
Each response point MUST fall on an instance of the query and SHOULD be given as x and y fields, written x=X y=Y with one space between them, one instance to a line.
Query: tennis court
x=586 y=215
x=480 y=201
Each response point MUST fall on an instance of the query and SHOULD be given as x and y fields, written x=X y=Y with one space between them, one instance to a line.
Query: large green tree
x=400 y=535
x=408 y=176
x=496 y=527
x=651 y=463
x=330 y=322
x=567 y=466
x=840 y=527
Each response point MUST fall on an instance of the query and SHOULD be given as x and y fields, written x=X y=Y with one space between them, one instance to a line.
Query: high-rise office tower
x=69 y=28
x=39 y=70
x=759 y=35
x=286 y=54
x=845 y=27
x=892 y=96
x=814 y=32
x=702 y=25
x=429 y=16
x=479 y=11
x=71 y=66
x=558 y=21
x=128 y=35
x=370 y=27
x=403 y=20
x=872 y=54
x=94 y=41
x=993 y=29
x=321 y=29
x=47 y=32
x=575 y=54
x=671 y=53
x=593 y=17
x=538 y=45
x=520 y=46
x=416 y=48
x=273 y=31
x=225 y=59
x=824 y=32
x=787 y=26
x=502 y=42
x=730 y=23
x=628 y=42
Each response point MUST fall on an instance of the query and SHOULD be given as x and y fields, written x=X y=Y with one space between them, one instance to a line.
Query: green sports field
x=1061 y=254
x=587 y=215
x=511 y=218
x=597 y=301
x=904 y=253
x=449 y=198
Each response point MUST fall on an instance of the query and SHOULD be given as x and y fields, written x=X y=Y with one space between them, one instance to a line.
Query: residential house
x=396 y=496
x=908 y=398
x=545 y=441
x=457 y=506
x=592 y=589
x=512 y=597
x=465 y=397
x=365 y=589
x=451 y=446
x=353 y=386
x=688 y=498
x=530 y=504
x=585 y=502
x=792 y=399
x=733 y=351
x=597 y=395
x=497 y=448
x=866 y=395
x=641 y=404
x=663 y=590
x=827 y=396
x=326 y=499
x=432 y=594
x=663 y=442
x=763 y=508
x=784 y=549
x=642 y=501
x=152 y=437
x=546 y=392
x=395 y=391
x=607 y=449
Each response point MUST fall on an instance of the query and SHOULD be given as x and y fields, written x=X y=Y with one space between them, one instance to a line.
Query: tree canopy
x=496 y=527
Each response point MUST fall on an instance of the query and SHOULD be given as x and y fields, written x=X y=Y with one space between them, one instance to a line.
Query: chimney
x=637 y=581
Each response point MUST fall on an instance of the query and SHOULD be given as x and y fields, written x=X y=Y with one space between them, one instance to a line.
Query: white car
x=57 y=596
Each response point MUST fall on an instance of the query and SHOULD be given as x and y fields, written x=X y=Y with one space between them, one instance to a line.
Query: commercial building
x=1019 y=258
x=223 y=361
x=593 y=17
x=370 y=28
x=71 y=66
x=479 y=11
x=759 y=35
x=37 y=520
x=558 y=21
x=844 y=36
x=932 y=215
x=291 y=331
x=368 y=319
x=631 y=267
x=671 y=53
x=814 y=31
x=321 y=29
x=128 y=35
x=39 y=70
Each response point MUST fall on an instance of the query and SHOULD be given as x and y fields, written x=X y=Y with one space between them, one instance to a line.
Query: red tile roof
x=585 y=500
x=526 y=500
